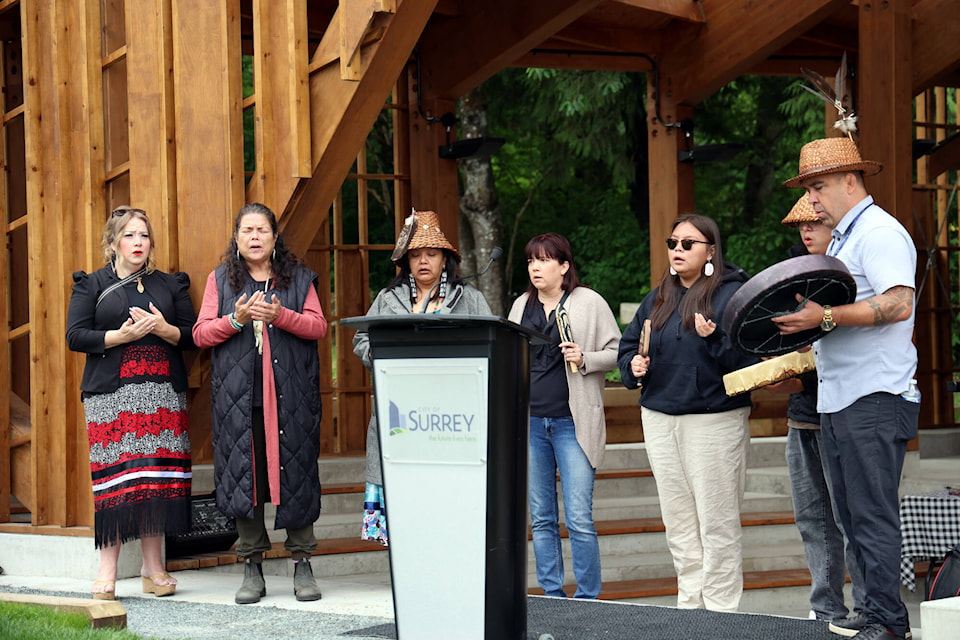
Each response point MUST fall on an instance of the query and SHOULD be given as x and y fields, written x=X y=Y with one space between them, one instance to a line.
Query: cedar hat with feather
x=421 y=230
x=833 y=155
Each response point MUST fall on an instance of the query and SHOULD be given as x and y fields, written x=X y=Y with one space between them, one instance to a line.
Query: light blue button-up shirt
x=853 y=362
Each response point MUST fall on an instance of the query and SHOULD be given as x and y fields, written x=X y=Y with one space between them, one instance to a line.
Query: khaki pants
x=699 y=462
x=301 y=543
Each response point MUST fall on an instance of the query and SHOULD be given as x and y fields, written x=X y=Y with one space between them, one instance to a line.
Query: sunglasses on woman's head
x=116 y=213
x=686 y=243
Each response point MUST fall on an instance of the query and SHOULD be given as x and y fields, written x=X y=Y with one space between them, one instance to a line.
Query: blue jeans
x=553 y=445
x=864 y=445
x=823 y=541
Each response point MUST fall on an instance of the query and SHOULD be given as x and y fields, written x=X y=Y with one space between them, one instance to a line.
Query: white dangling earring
x=673 y=271
x=708 y=269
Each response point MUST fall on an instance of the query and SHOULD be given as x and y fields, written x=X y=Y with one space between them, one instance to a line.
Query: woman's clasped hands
x=257 y=307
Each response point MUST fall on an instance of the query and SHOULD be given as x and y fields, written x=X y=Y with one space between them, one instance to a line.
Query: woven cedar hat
x=831 y=155
x=421 y=230
x=802 y=211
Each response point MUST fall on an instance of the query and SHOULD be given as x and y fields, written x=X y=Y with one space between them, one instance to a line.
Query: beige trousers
x=699 y=462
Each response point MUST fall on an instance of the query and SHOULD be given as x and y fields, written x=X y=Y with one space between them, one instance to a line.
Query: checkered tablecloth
x=929 y=527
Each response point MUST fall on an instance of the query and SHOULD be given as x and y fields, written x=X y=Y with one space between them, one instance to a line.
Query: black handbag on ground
x=946 y=580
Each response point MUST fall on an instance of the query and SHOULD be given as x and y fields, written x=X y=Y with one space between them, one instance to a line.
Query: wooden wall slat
x=209 y=159
x=282 y=106
x=150 y=108
x=66 y=150
x=5 y=461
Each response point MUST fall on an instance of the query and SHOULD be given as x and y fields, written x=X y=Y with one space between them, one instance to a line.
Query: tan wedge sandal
x=150 y=585
x=104 y=590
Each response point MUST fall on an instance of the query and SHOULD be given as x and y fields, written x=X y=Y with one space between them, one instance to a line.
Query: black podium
x=452 y=400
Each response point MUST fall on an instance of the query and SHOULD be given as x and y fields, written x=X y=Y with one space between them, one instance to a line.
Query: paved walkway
x=203 y=608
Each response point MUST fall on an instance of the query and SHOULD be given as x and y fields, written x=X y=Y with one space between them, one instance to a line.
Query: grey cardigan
x=463 y=300
x=597 y=333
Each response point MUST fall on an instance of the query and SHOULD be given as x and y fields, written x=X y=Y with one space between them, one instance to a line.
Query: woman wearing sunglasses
x=696 y=436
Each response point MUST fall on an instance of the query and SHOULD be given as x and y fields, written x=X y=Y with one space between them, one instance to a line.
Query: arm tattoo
x=891 y=306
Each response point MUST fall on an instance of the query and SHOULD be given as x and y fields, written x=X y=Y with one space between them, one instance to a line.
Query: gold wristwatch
x=827 y=324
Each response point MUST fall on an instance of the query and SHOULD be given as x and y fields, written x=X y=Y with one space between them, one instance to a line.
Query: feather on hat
x=833 y=155
x=421 y=230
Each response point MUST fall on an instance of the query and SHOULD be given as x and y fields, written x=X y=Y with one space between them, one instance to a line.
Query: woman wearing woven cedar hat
x=828 y=554
x=866 y=360
x=568 y=432
x=427 y=282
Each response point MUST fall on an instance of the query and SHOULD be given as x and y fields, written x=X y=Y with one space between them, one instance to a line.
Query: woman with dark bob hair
x=696 y=435
x=261 y=317
x=427 y=282
x=568 y=431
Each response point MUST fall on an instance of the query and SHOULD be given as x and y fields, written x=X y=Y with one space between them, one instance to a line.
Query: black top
x=88 y=323
x=549 y=396
x=686 y=371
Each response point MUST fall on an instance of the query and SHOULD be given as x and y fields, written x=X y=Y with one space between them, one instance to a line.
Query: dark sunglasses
x=119 y=211
x=686 y=243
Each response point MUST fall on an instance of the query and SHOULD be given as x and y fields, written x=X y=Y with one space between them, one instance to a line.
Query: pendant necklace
x=139 y=284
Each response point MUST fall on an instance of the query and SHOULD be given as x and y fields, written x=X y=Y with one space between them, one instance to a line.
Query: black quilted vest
x=296 y=370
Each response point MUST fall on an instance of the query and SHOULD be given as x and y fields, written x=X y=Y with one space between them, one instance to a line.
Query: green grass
x=34 y=622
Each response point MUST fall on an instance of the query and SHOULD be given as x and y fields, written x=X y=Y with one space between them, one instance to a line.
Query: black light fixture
x=458 y=149
x=702 y=154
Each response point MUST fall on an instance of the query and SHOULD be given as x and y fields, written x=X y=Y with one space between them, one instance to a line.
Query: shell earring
x=673 y=271
x=708 y=269
x=238 y=255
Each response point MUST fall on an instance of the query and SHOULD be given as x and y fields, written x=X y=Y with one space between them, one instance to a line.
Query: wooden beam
x=696 y=61
x=547 y=59
x=207 y=87
x=885 y=104
x=356 y=19
x=671 y=182
x=342 y=114
x=151 y=130
x=65 y=175
x=487 y=37
x=945 y=158
x=936 y=42
x=282 y=109
x=435 y=187
x=687 y=10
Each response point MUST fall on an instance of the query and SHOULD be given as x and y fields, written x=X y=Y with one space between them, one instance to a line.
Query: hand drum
x=748 y=318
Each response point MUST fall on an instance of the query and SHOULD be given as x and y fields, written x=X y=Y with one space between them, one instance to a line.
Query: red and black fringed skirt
x=139 y=451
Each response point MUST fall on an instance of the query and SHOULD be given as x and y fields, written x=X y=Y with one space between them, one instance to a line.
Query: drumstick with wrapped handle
x=644 y=346
x=566 y=333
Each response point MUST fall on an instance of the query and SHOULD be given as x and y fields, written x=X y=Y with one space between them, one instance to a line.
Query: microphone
x=494 y=256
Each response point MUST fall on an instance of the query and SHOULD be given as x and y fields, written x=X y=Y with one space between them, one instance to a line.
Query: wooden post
x=209 y=175
x=433 y=180
x=671 y=182
x=151 y=128
x=66 y=174
x=885 y=104
x=282 y=121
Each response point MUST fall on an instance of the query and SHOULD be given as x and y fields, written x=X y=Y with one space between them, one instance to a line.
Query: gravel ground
x=162 y=619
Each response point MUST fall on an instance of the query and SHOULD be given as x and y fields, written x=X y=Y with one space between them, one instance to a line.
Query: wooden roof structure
x=142 y=102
